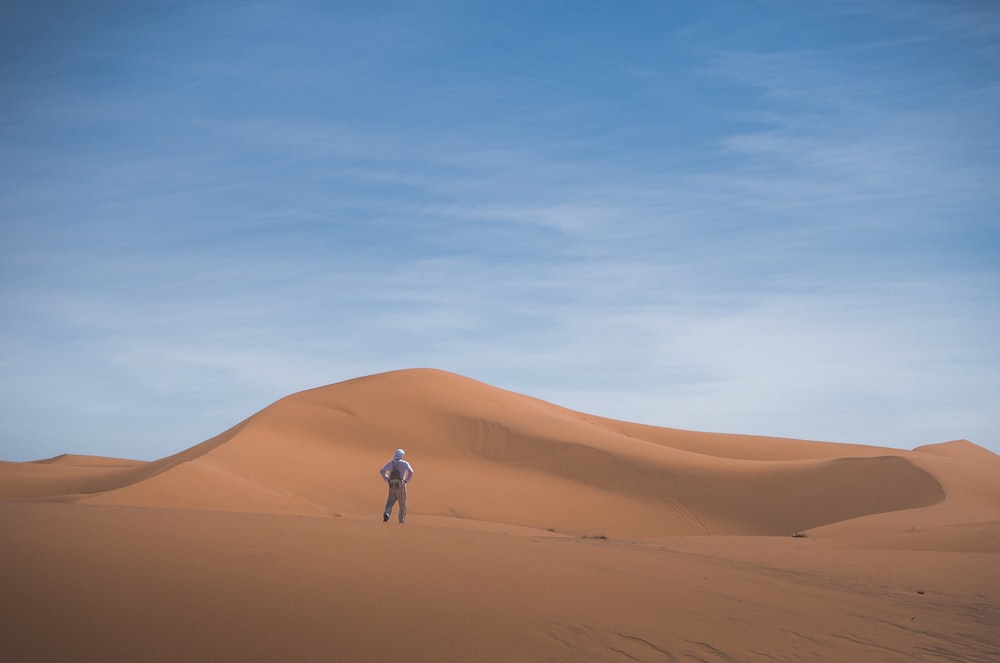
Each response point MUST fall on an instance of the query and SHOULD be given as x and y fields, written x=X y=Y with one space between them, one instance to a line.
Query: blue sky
x=776 y=218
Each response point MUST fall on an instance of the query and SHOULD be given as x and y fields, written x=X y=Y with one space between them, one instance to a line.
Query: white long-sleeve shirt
x=404 y=470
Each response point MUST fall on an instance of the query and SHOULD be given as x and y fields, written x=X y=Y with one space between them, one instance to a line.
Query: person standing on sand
x=397 y=473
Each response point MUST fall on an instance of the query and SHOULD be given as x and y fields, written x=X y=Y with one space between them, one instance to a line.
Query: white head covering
x=399 y=454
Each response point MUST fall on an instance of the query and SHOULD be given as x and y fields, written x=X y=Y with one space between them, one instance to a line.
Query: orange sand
x=535 y=533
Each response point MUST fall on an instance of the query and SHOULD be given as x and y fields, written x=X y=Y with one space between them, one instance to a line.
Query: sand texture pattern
x=535 y=533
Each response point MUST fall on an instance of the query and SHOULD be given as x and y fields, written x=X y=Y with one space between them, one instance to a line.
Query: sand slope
x=536 y=534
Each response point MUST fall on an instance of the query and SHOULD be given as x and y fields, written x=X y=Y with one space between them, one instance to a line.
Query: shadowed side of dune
x=724 y=496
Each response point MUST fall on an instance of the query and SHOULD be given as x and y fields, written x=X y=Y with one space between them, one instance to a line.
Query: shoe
x=385 y=517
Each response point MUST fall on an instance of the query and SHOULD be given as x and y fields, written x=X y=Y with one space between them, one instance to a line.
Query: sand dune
x=548 y=534
x=66 y=475
x=493 y=455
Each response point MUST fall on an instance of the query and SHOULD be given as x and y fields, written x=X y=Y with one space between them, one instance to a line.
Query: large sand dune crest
x=488 y=454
